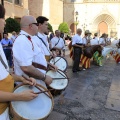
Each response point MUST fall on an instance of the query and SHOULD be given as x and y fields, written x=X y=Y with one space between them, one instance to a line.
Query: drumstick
x=26 y=77
x=57 y=60
x=58 y=78
x=42 y=91
x=61 y=73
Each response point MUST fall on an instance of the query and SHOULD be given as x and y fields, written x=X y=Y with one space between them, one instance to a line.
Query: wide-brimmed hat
x=87 y=32
x=95 y=34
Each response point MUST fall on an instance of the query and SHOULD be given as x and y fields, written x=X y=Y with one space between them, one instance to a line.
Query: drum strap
x=36 y=65
x=2 y=61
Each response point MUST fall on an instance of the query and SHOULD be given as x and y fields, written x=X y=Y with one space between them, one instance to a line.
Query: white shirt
x=41 y=44
x=13 y=38
x=77 y=39
x=60 y=45
x=114 y=42
x=101 y=41
x=3 y=72
x=84 y=39
x=24 y=55
x=5 y=115
x=94 y=41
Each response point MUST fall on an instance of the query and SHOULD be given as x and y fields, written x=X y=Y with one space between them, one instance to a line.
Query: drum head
x=106 y=50
x=38 y=108
x=60 y=62
x=60 y=80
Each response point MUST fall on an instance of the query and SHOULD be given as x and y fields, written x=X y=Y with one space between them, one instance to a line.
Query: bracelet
x=44 y=77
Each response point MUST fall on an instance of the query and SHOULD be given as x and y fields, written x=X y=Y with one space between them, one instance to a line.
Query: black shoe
x=79 y=69
x=75 y=71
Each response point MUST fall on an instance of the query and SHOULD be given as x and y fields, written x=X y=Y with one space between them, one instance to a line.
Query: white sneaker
x=84 y=69
x=100 y=65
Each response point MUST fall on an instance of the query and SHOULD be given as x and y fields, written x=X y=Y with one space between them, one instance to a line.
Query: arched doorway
x=104 y=23
x=102 y=28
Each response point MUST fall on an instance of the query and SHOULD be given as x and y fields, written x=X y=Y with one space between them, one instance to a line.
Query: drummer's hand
x=53 y=67
x=29 y=81
x=48 y=80
x=27 y=95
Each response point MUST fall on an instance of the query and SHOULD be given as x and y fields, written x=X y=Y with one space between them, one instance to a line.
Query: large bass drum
x=106 y=50
x=60 y=62
x=36 y=109
x=59 y=83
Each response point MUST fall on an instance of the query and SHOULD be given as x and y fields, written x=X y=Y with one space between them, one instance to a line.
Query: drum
x=60 y=62
x=36 y=109
x=59 y=83
x=106 y=50
x=118 y=50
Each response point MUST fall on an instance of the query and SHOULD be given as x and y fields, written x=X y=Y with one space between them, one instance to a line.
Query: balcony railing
x=102 y=1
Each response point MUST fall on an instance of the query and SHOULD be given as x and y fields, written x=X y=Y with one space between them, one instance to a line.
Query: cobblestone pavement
x=86 y=95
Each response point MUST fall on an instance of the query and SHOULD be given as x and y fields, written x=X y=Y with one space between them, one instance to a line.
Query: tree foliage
x=12 y=25
x=50 y=27
x=63 y=27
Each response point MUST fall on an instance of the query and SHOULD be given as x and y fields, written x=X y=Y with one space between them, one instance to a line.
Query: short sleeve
x=22 y=51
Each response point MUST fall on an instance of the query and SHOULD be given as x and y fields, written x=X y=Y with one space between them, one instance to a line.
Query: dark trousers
x=77 y=56
x=8 y=54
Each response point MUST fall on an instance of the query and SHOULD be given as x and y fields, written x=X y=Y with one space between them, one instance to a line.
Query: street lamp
x=76 y=17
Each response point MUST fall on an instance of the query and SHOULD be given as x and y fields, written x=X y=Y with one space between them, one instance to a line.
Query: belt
x=79 y=43
x=36 y=65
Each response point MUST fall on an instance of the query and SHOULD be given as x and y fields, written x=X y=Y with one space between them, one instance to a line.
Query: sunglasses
x=37 y=24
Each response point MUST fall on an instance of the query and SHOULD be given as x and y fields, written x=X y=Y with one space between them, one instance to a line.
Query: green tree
x=50 y=27
x=63 y=27
x=12 y=25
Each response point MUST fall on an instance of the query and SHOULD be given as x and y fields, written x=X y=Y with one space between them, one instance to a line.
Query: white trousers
x=5 y=115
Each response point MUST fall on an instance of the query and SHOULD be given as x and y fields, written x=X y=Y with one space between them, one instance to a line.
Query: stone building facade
x=16 y=8
x=96 y=15
x=52 y=9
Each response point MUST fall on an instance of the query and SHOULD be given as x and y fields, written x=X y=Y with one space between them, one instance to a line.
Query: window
x=18 y=2
x=73 y=0
x=9 y=0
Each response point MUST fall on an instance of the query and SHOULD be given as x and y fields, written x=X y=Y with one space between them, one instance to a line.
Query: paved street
x=91 y=95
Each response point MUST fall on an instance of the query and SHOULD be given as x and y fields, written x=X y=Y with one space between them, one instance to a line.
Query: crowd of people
x=79 y=44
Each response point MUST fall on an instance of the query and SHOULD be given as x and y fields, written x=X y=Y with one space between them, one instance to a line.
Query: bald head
x=79 y=31
x=29 y=25
x=27 y=20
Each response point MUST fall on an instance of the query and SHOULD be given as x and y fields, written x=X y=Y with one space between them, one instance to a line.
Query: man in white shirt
x=58 y=44
x=29 y=59
x=95 y=40
x=41 y=38
x=7 y=81
x=102 y=40
x=84 y=39
x=77 y=44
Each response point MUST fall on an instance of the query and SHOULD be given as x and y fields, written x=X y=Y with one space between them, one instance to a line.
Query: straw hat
x=87 y=32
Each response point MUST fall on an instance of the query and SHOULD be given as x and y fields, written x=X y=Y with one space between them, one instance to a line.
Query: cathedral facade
x=101 y=16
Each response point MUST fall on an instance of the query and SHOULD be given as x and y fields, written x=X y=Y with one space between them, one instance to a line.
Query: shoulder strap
x=29 y=38
x=42 y=40
x=44 y=43
x=57 y=42
x=3 y=62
